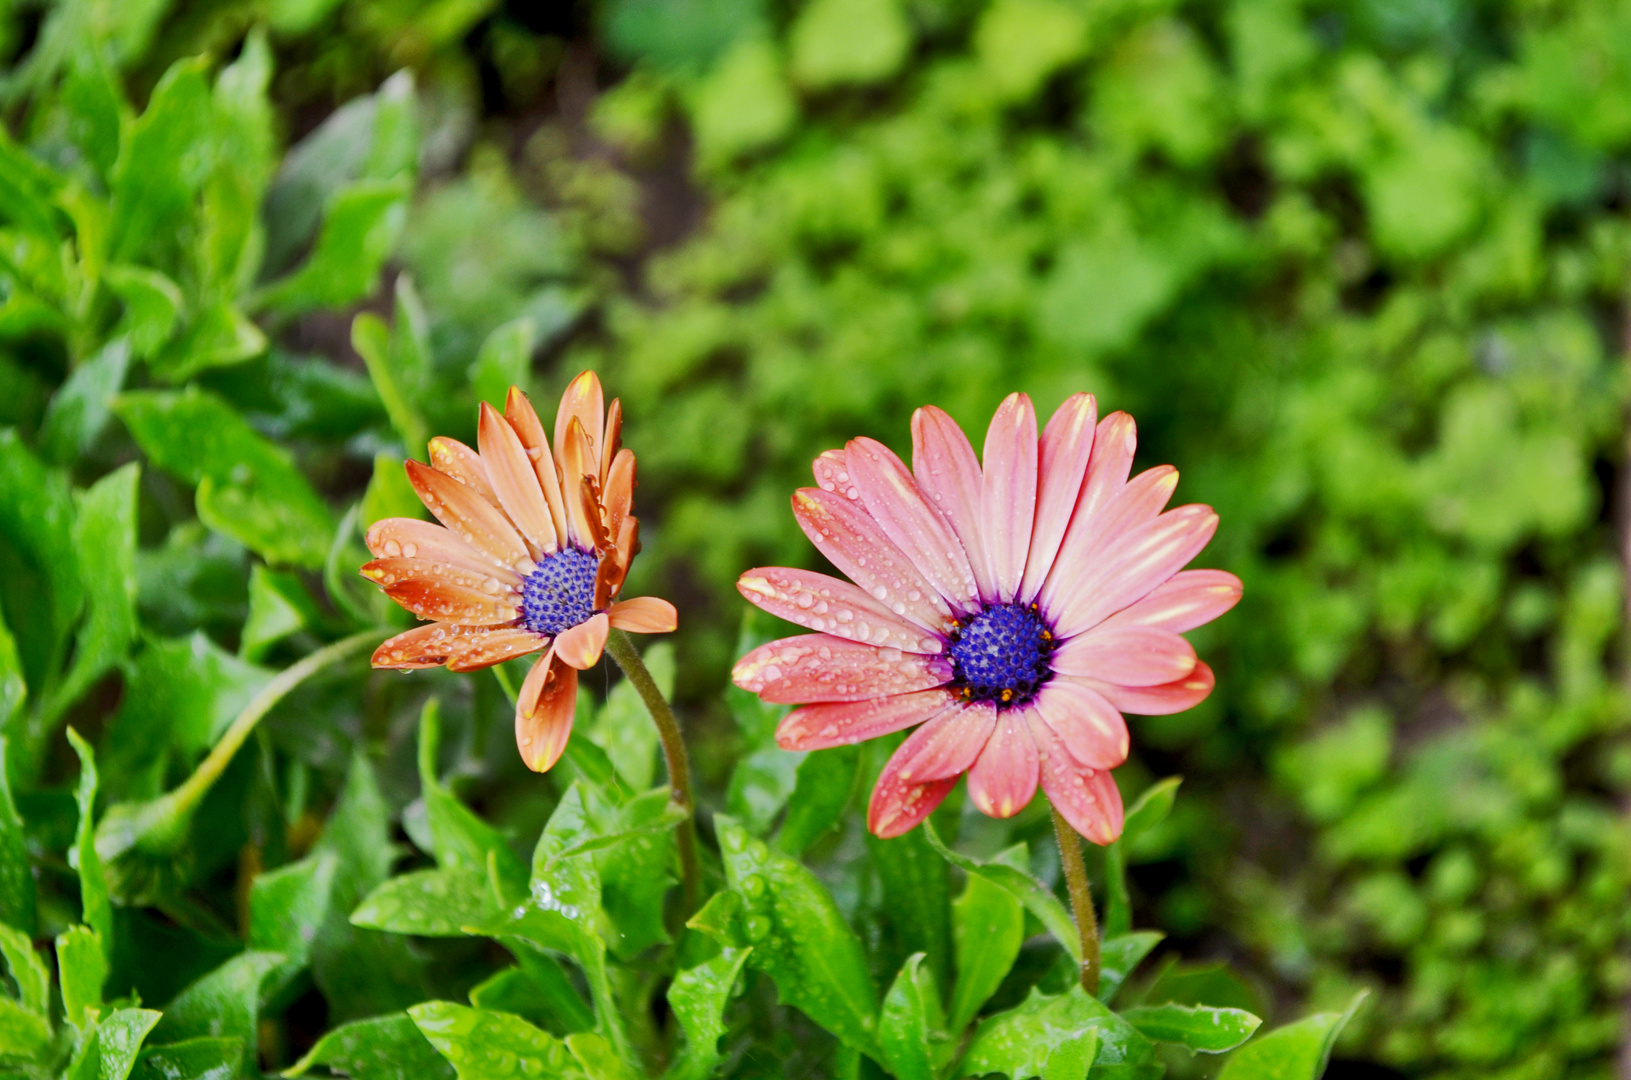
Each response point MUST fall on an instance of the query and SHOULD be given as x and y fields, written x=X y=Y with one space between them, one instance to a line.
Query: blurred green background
x=1359 y=268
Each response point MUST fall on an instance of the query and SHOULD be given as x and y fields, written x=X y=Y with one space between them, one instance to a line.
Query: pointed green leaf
x=1054 y=1037
x=916 y=897
x=111 y=1052
x=163 y=165
x=22 y=1033
x=552 y=1005
x=698 y=997
x=27 y=970
x=822 y=787
x=288 y=906
x=17 y=898
x=505 y=360
x=1205 y=1028
x=1148 y=811
x=80 y=408
x=96 y=909
x=225 y=1002
x=483 y=1045
x=462 y=842
x=799 y=937
x=105 y=543
x=360 y=228
x=372 y=341
x=597 y=1058
x=988 y=928
x=1035 y=896
x=278 y=606
x=152 y=308
x=1118 y=956
x=911 y=1027
x=1298 y=1051
x=248 y=487
x=429 y=903
x=82 y=969
x=381 y=1048
x=41 y=587
x=191 y=1059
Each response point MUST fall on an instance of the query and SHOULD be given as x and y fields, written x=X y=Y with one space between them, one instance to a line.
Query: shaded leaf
x=95 y=907
x=911 y=1026
x=191 y=1059
x=113 y=1046
x=380 y=1048
x=698 y=997
x=482 y=1045
x=1036 y=897
x=1298 y=1051
x=82 y=969
x=1055 y=1037
x=988 y=928
x=17 y=895
x=1205 y=1028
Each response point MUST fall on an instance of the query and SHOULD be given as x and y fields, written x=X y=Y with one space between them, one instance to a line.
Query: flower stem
x=1081 y=899
x=674 y=755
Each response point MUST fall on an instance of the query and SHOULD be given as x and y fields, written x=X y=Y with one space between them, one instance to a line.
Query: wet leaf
x=82 y=969
x=191 y=1059
x=95 y=907
x=380 y=1048
x=482 y=1045
x=822 y=788
x=1036 y=897
x=698 y=997
x=1118 y=956
x=17 y=892
x=1055 y=1037
x=1205 y=1028
x=225 y=1002
x=911 y=1027
x=988 y=928
x=1298 y=1051
x=111 y=1052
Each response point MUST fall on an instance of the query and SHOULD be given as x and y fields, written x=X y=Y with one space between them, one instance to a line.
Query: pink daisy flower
x=1011 y=613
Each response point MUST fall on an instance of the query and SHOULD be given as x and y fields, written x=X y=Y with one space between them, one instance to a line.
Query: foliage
x=1357 y=267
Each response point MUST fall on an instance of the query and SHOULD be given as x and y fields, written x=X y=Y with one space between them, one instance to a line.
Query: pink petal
x=1188 y=599
x=819 y=667
x=945 y=747
x=1008 y=497
x=1131 y=567
x=544 y=711
x=581 y=645
x=1087 y=798
x=911 y=523
x=1088 y=537
x=948 y=474
x=644 y=615
x=1114 y=442
x=1126 y=655
x=1067 y=444
x=832 y=474
x=1003 y=779
x=818 y=727
x=852 y=541
x=823 y=603
x=1174 y=697
x=898 y=806
x=1089 y=726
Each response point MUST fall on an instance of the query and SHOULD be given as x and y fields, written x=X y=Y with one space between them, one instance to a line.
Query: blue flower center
x=1001 y=655
x=560 y=593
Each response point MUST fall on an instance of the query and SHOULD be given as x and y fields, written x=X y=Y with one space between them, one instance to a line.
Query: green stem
x=1081 y=899
x=162 y=824
x=679 y=763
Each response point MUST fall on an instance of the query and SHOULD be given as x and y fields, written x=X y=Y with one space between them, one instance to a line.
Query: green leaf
x=13 y=689
x=505 y=360
x=40 y=586
x=105 y=543
x=1118 y=956
x=597 y=1058
x=761 y=783
x=838 y=42
x=191 y=1059
x=430 y=903
x=988 y=928
x=22 y=1033
x=461 y=841
x=916 y=897
x=360 y=228
x=1205 y=1028
x=625 y=731
x=152 y=309
x=288 y=906
x=698 y=996
x=163 y=165
x=1148 y=811
x=823 y=785
x=516 y=990
x=112 y=1050
x=27 y=970
x=79 y=410
x=1054 y=1037
x=27 y=190
x=799 y=938
x=1298 y=1051
x=483 y=1045
x=278 y=606
x=82 y=969
x=218 y=335
x=381 y=1048
x=1036 y=897
x=911 y=1027
x=635 y=873
x=372 y=341
x=389 y=493
x=17 y=896
x=248 y=487
x=1202 y=984
x=225 y=1002
x=96 y=909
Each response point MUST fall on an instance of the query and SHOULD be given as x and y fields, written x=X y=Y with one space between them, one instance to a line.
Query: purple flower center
x=560 y=593
x=1001 y=655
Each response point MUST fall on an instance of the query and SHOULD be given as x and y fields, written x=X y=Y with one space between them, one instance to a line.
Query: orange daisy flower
x=531 y=560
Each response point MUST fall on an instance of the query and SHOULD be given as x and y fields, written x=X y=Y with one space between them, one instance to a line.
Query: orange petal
x=499 y=584
x=524 y=419
x=452 y=603
x=421 y=647
x=627 y=545
x=392 y=538
x=617 y=493
x=488 y=646
x=477 y=522
x=613 y=440
x=581 y=645
x=514 y=481
x=543 y=713
x=644 y=615
x=576 y=464
x=462 y=464
x=608 y=578
x=584 y=402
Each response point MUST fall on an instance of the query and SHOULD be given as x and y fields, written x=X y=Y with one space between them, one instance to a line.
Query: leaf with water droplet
x=483 y=1045
x=698 y=997
x=1204 y=1028
x=380 y=1048
x=1055 y=1037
